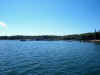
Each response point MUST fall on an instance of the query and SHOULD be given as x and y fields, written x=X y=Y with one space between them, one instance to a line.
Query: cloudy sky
x=41 y=17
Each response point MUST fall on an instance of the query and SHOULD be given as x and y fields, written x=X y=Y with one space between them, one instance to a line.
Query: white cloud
x=3 y=24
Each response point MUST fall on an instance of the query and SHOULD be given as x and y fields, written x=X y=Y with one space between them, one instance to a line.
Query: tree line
x=84 y=36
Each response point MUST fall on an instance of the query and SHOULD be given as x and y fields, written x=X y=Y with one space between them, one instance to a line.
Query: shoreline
x=95 y=40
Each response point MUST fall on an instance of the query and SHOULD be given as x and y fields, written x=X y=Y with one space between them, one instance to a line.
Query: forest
x=85 y=36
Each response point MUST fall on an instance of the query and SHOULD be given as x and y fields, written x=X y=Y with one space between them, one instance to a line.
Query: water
x=49 y=58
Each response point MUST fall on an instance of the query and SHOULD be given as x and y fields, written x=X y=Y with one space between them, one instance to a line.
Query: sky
x=49 y=17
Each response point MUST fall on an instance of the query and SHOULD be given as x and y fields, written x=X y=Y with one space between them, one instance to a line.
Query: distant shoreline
x=92 y=37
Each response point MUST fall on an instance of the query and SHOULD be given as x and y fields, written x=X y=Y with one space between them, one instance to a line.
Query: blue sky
x=52 y=17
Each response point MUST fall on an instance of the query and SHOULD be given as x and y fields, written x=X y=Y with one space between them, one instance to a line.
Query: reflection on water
x=97 y=43
x=49 y=58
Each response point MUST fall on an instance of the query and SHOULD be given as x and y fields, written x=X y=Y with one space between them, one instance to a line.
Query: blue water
x=49 y=58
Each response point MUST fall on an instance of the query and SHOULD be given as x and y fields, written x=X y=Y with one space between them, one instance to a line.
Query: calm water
x=49 y=58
